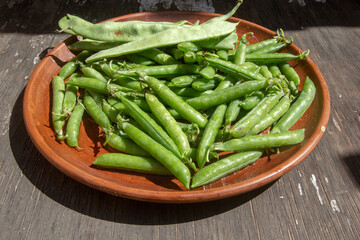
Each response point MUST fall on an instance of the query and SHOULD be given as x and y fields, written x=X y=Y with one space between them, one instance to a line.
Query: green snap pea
x=97 y=96
x=207 y=101
x=188 y=92
x=132 y=163
x=158 y=56
x=189 y=46
x=93 y=73
x=209 y=134
x=240 y=52
x=252 y=100
x=264 y=70
x=290 y=73
x=203 y=84
x=58 y=118
x=176 y=53
x=224 y=167
x=298 y=108
x=68 y=69
x=271 y=117
x=245 y=124
x=233 y=69
x=150 y=126
x=160 y=153
x=222 y=85
x=222 y=54
x=231 y=114
x=137 y=58
x=184 y=81
x=207 y=72
x=258 y=142
x=256 y=46
x=171 y=127
x=162 y=70
x=268 y=58
x=73 y=126
x=70 y=97
x=110 y=111
x=96 y=112
x=124 y=145
x=272 y=48
x=189 y=57
x=174 y=101
x=227 y=42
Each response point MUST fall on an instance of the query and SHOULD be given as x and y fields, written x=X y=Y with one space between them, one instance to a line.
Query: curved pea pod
x=158 y=56
x=131 y=163
x=262 y=44
x=207 y=101
x=233 y=69
x=171 y=127
x=252 y=100
x=272 y=48
x=224 y=167
x=257 y=142
x=203 y=84
x=73 y=126
x=139 y=59
x=245 y=124
x=168 y=37
x=68 y=69
x=174 y=101
x=160 y=153
x=271 y=117
x=184 y=81
x=69 y=99
x=265 y=72
x=231 y=114
x=93 y=73
x=96 y=112
x=222 y=54
x=224 y=43
x=124 y=145
x=58 y=118
x=209 y=134
x=110 y=111
x=189 y=57
x=269 y=58
x=189 y=46
x=298 y=108
x=290 y=73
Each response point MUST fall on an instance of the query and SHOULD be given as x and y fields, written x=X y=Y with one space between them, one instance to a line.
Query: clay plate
x=146 y=187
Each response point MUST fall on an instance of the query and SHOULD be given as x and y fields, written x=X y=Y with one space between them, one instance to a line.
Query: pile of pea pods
x=170 y=97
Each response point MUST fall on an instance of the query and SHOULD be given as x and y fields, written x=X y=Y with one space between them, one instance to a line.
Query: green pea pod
x=139 y=59
x=58 y=118
x=209 y=134
x=124 y=145
x=73 y=126
x=258 y=142
x=298 y=108
x=168 y=37
x=110 y=111
x=207 y=101
x=203 y=84
x=93 y=73
x=184 y=81
x=227 y=42
x=160 y=153
x=245 y=124
x=290 y=73
x=171 y=127
x=265 y=72
x=69 y=99
x=269 y=58
x=189 y=46
x=96 y=112
x=189 y=57
x=132 y=163
x=271 y=117
x=150 y=126
x=68 y=69
x=176 y=53
x=158 y=56
x=174 y=101
x=224 y=167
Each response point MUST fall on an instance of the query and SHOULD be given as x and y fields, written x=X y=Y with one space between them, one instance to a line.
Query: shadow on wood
x=352 y=165
x=85 y=200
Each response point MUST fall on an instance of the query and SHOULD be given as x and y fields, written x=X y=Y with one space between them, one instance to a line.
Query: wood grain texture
x=319 y=199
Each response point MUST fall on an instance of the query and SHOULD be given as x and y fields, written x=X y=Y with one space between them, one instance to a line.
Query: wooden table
x=319 y=199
